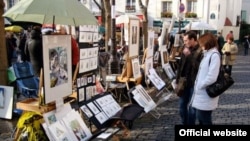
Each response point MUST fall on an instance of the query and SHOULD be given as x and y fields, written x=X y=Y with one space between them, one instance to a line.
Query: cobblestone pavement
x=234 y=108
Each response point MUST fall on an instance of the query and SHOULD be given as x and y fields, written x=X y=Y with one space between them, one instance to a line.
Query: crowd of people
x=27 y=45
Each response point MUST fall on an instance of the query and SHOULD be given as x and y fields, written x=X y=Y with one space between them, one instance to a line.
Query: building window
x=212 y=16
x=244 y=15
x=11 y=3
x=167 y=6
x=192 y=6
x=130 y=6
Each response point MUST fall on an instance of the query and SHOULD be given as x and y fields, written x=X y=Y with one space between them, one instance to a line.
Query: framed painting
x=57 y=67
x=136 y=68
x=6 y=102
x=134 y=26
x=164 y=56
x=150 y=50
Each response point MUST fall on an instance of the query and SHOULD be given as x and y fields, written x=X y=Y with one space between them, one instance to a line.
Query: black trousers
x=228 y=69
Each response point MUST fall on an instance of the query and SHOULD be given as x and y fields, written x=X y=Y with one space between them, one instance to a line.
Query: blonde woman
x=229 y=52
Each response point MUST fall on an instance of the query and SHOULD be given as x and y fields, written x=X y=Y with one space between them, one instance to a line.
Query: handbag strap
x=211 y=57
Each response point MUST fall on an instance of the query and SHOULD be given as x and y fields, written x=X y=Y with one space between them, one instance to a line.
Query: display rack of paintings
x=88 y=63
x=100 y=109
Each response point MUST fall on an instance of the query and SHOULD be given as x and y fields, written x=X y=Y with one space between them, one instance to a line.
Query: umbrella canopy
x=13 y=28
x=199 y=26
x=67 y=12
x=125 y=18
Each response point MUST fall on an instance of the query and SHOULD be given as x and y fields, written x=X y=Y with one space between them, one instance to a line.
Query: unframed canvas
x=58 y=72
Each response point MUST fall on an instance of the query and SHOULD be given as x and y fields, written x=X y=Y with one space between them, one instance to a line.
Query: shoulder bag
x=223 y=82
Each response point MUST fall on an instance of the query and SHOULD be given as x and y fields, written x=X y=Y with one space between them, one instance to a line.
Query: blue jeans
x=204 y=117
x=187 y=112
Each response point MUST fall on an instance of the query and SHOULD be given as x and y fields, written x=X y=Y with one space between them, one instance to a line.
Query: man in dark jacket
x=188 y=68
x=34 y=49
x=221 y=42
x=246 y=44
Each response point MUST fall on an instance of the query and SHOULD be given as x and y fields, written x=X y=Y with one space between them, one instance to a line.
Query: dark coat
x=247 y=43
x=34 y=49
x=189 y=65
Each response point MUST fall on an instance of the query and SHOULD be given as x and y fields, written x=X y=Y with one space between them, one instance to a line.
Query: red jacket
x=75 y=51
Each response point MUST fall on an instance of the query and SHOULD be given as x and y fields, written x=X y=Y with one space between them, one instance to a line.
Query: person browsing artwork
x=207 y=75
x=188 y=68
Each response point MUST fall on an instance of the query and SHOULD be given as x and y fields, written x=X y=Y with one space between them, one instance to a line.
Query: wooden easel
x=74 y=76
x=127 y=73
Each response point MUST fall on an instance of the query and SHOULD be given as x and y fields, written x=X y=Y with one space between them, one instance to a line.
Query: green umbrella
x=67 y=12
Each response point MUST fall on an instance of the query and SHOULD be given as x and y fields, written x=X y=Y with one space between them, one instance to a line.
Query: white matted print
x=95 y=37
x=86 y=111
x=81 y=94
x=6 y=102
x=150 y=50
x=84 y=28
x=58 y=71
x=59 y=131
x=148 y=65
x=83 y=53
x=134 y=26
x=50 y=117
x=136 y=68
x=83 y=37
x=76 y=126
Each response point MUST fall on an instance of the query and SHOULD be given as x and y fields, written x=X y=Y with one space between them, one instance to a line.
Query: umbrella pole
x=53 y=24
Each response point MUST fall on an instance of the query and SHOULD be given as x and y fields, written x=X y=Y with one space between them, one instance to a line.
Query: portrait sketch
x=58 y=66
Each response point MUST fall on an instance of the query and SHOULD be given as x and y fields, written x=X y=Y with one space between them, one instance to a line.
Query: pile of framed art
x=65 y=124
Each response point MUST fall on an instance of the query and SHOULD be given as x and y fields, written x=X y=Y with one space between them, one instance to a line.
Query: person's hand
x=227 y=53
x=186 y=51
